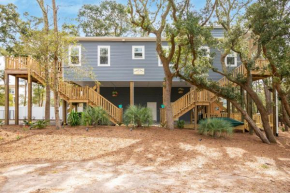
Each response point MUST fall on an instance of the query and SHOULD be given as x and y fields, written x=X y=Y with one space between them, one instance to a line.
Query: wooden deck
x=28 y=68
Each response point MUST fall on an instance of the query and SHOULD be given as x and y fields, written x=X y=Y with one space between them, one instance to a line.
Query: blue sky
x=68 y=9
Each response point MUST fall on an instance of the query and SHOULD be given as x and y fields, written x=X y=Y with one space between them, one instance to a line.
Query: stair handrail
x=98 y=100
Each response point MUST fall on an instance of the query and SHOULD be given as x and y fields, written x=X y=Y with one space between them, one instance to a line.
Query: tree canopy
x=109 y=18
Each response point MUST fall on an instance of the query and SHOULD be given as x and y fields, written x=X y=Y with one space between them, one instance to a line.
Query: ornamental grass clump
x=94 y=116
x=138 y=116
x=215 y=127
x=74 y=118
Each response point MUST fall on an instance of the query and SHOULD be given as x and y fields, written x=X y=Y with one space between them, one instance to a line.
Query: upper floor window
x=231 y=60
x=104 y=56
x=205 y=51
x=166 y=50
x=138 y=52
x=75 y=55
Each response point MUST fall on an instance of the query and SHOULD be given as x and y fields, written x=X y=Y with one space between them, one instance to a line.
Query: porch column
x=16 y=100
x=64 y=111
x=131 y=93
x=6 y=99
x=29 y=102
x=98 y=88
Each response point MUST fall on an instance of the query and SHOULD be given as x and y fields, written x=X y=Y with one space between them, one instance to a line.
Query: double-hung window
x=138 y=52
x=75 y=55
x=103 y=55
x=231 y=60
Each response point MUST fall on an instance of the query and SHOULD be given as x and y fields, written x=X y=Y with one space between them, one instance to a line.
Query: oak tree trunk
x=263 y=113
x=251 y=122
x=168 y=108
x=56 y=77
x=268 y=99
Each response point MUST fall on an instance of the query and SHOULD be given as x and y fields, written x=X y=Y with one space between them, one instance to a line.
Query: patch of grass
x=264 y=166
x=215 y=127
x=18 y=137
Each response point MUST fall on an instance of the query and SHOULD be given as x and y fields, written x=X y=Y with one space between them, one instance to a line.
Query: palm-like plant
x=74 y=118
x=215 y=127
x=138 y=116
x=95 y=116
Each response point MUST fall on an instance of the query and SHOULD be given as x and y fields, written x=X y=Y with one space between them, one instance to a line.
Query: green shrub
x=27 y=123
x=138 y=116
x=74 y=118
x=180 y=124
x=40 y=124
x=215 y=127
x=95 y=116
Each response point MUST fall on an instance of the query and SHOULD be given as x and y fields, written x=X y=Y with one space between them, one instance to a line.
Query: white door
x=153 y=107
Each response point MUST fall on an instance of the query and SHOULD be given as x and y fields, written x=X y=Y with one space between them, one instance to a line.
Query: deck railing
x=68 y=91
x=16 y=63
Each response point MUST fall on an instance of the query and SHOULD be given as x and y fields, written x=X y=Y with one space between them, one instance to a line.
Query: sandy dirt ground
x=115 y=159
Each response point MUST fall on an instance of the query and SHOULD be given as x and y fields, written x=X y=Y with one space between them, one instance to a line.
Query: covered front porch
x=145 y=93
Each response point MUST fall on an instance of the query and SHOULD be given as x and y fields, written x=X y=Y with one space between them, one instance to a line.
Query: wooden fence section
x=69 y=92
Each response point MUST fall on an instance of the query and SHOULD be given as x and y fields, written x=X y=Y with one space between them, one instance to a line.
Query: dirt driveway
x=115 y=159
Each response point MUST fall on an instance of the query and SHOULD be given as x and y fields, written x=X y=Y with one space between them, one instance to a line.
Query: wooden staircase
x=195 y=97
x=68 y=92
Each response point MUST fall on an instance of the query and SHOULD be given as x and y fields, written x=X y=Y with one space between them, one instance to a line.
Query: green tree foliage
x=38 y=95
x=10 y=27
x=70 y=29
x=2 y=97
x=95 y=116
x=269 y=20
x=138 y=115
x=107 y=19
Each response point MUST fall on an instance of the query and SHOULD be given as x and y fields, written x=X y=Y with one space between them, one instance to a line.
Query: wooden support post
x=29 y=102
x=275 y=121
x=195 y=116
x=16 y=101
x=131 y=93
x=190 y=117
x=242 y=102
x=228 y=109
x=250 y=111
x=6 y=99
x=98 y=88
x=64 y=112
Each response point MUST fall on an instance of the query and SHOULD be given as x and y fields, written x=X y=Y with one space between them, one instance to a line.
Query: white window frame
x=133 y=52
x=80 y=55
x=159 y=60
x=206 y=48
x=232 y=54
x=99 y=56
